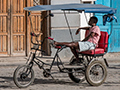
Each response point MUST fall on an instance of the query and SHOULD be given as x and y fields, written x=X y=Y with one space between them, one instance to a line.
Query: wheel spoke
x=96 y=73
x=23 y=76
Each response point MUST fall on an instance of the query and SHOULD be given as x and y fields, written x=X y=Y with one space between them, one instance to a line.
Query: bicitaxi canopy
x=87 y=8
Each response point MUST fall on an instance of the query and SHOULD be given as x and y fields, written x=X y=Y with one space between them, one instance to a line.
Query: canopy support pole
x=81 y=1
x=68 y=25
x=32 y=30
x=29 y=14
x=85 y=17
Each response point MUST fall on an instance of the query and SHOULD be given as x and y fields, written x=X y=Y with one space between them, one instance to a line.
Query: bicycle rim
x=23 y=76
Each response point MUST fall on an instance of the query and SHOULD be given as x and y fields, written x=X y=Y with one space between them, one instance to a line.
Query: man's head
x=93 y=21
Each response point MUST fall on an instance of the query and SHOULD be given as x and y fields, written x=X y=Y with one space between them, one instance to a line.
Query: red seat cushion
x=102 y=44
x=94 y=51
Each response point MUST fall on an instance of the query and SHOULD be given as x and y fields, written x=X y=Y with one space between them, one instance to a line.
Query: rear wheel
x=78 y=76
x=96 y=73
x=23 y=76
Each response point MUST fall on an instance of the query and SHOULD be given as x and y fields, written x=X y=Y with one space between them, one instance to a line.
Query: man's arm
x=84 y=28
x=92 y=34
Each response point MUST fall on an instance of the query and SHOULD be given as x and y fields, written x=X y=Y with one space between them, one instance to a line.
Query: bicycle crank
x=46 y=73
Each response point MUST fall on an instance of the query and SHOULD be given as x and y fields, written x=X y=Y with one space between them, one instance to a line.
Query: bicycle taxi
x=92 y=69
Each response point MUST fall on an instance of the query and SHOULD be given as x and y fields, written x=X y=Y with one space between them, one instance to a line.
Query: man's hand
x=84 y=28
x=92 y=34
x=78 y=30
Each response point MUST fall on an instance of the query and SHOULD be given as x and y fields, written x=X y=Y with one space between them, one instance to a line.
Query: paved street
x=61 y=82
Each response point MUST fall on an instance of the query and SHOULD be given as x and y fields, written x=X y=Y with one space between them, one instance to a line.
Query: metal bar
x=106 y=62
x=81 y=1
x=58 y=59
x=54 y=59
x=30 y=21
x=85 y=17
x=68 y=25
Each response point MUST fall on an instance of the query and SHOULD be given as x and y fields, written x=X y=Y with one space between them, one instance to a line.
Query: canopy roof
x=87 y=8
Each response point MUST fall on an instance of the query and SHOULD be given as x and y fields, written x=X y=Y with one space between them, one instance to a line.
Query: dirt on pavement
x=61 y=81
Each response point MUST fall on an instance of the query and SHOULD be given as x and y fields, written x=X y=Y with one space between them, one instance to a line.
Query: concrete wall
x=59 y=29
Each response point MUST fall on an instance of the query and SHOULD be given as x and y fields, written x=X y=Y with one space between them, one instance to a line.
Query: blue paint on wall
x=112 y=28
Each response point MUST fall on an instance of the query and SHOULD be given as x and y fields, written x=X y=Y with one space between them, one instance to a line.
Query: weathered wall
x=59 y=29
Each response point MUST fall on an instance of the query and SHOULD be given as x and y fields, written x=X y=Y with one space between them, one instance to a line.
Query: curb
x=15 y=61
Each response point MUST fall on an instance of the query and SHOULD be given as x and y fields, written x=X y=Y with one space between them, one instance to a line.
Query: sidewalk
x=15 y=61
x=12 y=61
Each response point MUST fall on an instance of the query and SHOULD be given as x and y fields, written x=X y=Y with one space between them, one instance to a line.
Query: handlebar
x=36 y=44
x=33 y=34
x=58 y=46
x=52 y=39
x=36 y=38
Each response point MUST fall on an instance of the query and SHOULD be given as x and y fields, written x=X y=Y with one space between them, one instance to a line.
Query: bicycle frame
x=87 y=70
x=37 y=60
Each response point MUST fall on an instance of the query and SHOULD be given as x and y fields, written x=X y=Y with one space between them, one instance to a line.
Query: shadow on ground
x=7 y=82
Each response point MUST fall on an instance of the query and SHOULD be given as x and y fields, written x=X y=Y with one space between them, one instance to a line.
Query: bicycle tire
x=92 y=70
x=75 y=78
x=23 y=76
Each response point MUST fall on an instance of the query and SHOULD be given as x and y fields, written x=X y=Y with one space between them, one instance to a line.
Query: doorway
x=15 y=26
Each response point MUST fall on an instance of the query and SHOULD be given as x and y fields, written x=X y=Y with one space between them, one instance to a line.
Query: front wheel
x=96 y=73
x=23 y=76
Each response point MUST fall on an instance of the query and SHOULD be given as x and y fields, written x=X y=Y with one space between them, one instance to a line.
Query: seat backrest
x=103 y=42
